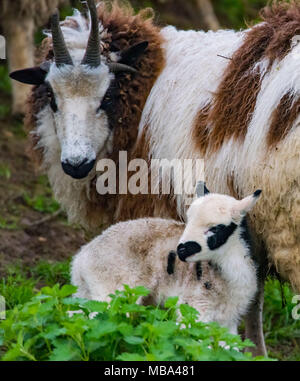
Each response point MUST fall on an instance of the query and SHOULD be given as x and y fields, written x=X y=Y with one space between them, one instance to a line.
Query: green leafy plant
x=16 y=288
x=42 y=203
x=280 y=329
x=5 y=170
x=5 y=85
x=55 y=326
x=10 y=224
x=51 y=273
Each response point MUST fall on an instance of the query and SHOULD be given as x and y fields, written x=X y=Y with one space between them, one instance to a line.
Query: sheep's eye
x=213 y=230
x=52 y=101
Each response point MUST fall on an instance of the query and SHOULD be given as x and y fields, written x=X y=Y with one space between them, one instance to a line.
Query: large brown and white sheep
x=239 y=113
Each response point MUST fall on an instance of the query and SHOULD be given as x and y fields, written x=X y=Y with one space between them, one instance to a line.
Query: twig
x=44 y=219
x=227 y=58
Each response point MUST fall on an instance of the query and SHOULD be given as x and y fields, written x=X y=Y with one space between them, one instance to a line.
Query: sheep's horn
x=92 y=53
x=61 y=54
x=116 y=67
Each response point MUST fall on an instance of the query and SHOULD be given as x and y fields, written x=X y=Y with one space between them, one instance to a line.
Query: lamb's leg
x=254 y=322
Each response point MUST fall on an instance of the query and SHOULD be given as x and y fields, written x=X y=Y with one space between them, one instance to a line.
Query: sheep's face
x=212 y=225
x=82 y=127
x=77 y=80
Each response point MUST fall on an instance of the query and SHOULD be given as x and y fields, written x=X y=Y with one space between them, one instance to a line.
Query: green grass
x=11 y=224
x=16 y=288
x=5 y=171
x=51 y=273
x=5 y=85
x=44 y=203
x=280 y=329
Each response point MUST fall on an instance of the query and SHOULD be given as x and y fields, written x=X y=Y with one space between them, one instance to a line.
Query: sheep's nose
x=78 y=169
x=185 y=250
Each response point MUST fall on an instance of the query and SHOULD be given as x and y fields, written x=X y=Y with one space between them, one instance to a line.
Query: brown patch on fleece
x=234 y=101
x=283 y=118
x=200 y=129
x=99 y=209
x=36 y=102
x=145 y=205
x=232 y=188
x=284 y=19
x=128 y=93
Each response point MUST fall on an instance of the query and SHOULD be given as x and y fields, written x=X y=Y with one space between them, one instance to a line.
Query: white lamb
x=139 y=252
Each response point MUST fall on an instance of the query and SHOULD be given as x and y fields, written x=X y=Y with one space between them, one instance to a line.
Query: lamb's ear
x=246 y=204
x=31 y=76
x=201 y=189
x=131 y=55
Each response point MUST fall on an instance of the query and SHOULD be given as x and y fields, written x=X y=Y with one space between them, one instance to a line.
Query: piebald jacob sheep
x=229 y=98
x=216 y=274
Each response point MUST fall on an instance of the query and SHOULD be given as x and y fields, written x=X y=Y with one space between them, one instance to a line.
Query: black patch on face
x=198 y=270
x=171 y=262
x=185 y=250
x=208 y=285
x=221 y=233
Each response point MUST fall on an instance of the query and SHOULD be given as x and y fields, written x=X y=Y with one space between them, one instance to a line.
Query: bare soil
x=19 y=241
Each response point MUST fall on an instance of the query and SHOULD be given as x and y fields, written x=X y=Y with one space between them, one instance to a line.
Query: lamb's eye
x=99 y=109
x=213 y=230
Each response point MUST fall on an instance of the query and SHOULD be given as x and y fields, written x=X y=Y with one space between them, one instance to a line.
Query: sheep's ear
x=131 y=55
x=31 y=76
x=201 y=189
x=246 y=204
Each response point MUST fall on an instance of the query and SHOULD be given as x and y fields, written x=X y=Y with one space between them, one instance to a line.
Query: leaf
x=95 y=306
x=125 y=329
x=67 y=290
x=171 y=302
x=101 y=328
x=53 y=331
x=65 y=351
x=12 y=354
x=134 y=340
x=141 y=291
x=131 y=357
x=188 y=312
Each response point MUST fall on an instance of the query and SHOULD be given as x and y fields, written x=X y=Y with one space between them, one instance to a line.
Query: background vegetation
x=36 y=243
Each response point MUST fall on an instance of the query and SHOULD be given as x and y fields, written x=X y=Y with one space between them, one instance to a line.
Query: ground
x=25 y=199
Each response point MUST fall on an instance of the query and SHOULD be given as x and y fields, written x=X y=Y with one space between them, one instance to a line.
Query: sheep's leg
x=19 y=42
x=254 y=322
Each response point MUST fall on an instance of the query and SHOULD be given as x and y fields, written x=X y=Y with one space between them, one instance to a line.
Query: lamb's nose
x=187 y=249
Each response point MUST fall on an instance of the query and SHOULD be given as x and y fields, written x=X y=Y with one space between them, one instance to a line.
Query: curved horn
x=61 y=54
x=92 y=53
x=116 y=67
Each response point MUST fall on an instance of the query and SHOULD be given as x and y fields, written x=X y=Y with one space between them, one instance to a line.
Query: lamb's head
x=77 y=83
x=213 y=223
